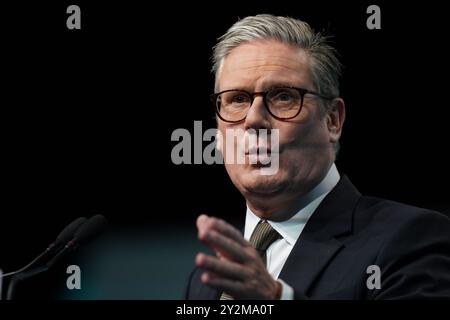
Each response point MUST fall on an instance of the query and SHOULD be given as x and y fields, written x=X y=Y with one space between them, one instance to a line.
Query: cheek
x=223 y=143
x=303 y=138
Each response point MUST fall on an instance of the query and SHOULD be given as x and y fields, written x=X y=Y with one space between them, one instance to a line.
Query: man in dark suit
x=308 y=232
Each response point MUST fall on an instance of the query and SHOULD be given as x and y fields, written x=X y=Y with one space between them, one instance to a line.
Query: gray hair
x=325 y=67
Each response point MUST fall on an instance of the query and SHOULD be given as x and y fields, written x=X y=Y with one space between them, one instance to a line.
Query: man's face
x=305 y=148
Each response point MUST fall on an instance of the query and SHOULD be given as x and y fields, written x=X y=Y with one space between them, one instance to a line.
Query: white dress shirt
x=290 y=229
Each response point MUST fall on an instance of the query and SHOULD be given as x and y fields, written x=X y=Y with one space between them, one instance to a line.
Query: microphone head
x=92 y=228
x=68 y=232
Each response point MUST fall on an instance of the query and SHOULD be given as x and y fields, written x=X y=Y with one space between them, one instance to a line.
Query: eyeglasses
x=282 y=103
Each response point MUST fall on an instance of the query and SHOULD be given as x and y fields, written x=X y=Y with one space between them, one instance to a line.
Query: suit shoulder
x=387 y=217
x=385 y=210
x=413 y=249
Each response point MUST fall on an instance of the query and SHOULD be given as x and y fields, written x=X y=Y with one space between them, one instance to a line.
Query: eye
x=281 y=95
x=240 y=98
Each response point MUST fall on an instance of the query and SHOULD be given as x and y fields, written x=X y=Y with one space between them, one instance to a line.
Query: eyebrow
x=267 y=87
x=280 y=84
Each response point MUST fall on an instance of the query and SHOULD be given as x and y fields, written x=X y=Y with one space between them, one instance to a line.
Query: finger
x=231 y=287
x=226 y=247
x=224 y=228
x=203 y=226
x=202 y=222
x=223 y=268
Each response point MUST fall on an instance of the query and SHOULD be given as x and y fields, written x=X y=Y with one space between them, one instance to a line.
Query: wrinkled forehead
x=260 y=62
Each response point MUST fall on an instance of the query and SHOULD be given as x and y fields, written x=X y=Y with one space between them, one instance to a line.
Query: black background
x=87 y=115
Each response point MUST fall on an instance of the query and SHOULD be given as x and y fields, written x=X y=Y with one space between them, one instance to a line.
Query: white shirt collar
x=291 y=229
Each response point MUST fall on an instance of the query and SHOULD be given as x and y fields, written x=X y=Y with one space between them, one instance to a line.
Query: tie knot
x=263 y=236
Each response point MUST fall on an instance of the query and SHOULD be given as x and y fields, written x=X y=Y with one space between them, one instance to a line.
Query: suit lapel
x=306 y=261
x=318 y=242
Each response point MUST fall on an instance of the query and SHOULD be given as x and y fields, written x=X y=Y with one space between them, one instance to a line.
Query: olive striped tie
x=262 y=237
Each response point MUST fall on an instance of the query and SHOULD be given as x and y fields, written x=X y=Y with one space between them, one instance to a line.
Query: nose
x=257 y=115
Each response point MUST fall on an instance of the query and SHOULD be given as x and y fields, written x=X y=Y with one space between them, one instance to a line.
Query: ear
x=335 y=119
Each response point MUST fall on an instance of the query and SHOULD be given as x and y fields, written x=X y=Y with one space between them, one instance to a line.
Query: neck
x=283 y=206
x=269 y=206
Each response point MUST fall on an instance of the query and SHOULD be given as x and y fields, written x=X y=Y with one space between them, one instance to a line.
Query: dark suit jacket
x=349 y=232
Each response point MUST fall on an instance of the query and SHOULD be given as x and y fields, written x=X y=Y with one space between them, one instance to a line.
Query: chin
x=255 y=183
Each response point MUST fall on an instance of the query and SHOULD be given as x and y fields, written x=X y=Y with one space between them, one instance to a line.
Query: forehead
x=264 y=62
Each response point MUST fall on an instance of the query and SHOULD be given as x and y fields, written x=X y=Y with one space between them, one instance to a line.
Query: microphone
x=64 y=236
x=90 y=230
x=67 y=234
x=85 y=232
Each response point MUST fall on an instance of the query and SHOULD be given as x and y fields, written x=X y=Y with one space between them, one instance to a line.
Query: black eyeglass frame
x=264 y=94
